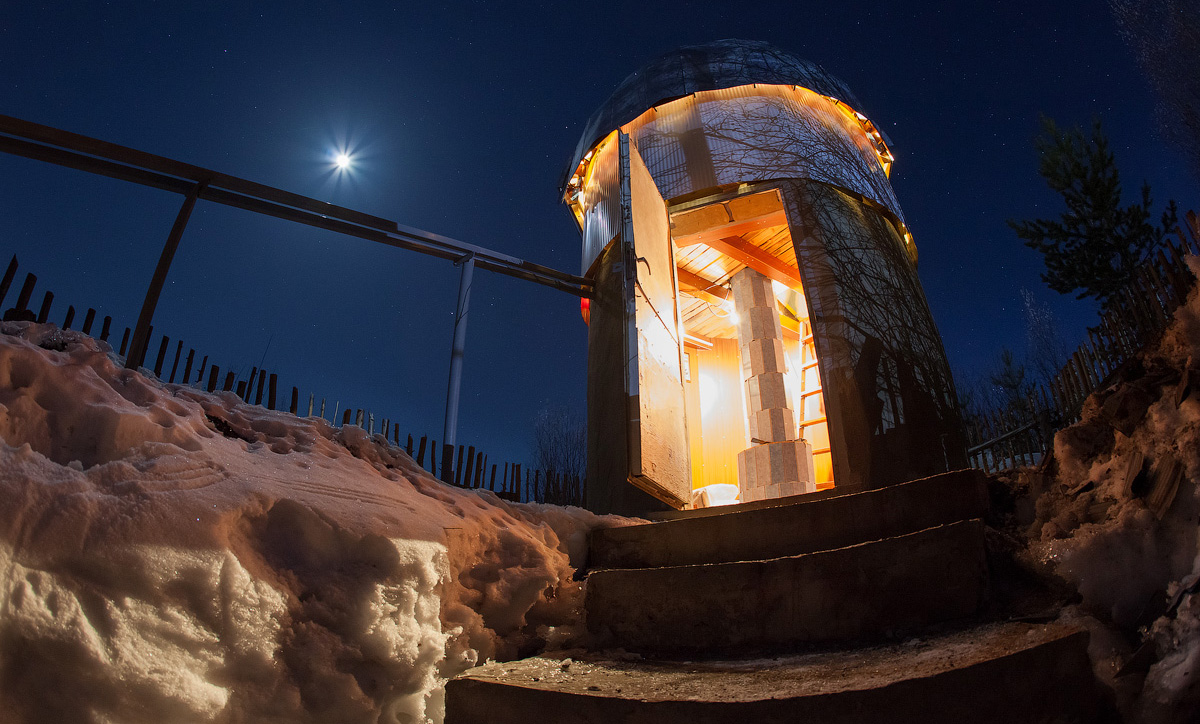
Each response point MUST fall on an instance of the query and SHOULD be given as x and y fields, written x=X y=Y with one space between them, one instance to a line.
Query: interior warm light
x=710 y=392
x=731 y=311
x=719 y=494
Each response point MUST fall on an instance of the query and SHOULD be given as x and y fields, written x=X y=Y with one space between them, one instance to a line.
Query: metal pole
x=450 y=432
x=137 y=350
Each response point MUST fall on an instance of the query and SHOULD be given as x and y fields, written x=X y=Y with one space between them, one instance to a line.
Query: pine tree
x=1097 y=244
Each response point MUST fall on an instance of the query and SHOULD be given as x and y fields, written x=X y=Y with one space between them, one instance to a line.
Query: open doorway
x=726 y=397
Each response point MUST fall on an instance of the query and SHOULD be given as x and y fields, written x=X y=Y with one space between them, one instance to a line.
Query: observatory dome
x=709 y=66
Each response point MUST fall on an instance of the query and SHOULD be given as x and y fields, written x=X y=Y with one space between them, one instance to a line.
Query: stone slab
x=814 y=522
x=847 y=594
x=1000 y=673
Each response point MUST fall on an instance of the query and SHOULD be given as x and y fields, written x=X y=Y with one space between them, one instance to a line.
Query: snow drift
x=1115 y=514
x=172 y=555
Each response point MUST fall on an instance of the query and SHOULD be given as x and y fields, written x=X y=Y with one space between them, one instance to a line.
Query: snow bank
x=171 y=555
x=1109 y=521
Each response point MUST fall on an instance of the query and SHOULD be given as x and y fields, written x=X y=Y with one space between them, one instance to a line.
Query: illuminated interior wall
x=716 y=406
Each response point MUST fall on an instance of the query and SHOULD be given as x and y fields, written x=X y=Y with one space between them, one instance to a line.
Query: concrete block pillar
x=776 y=464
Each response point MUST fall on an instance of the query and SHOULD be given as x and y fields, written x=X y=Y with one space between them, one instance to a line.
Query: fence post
x=175 y=364
x=262 y=374
x=272 y=381
x=44 y=312
x=6 y=282
x=70 y=316
x=162 y=356
x=447 y=463
x=104 y=328
x=187 y=366
x=295 y=400
x=212 y=377
x=26 y=293
x=248 y=389
x=88 y=320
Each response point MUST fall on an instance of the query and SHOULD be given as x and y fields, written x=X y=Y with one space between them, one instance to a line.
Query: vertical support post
x=26 y=293
x=175 y=364
x=262 y=375
x=141 y=332
x=44 y=314
x=5 y=283
x=450 y=430
x=162 y=355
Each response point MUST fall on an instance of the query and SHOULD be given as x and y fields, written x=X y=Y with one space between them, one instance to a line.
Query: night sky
x=461 y=118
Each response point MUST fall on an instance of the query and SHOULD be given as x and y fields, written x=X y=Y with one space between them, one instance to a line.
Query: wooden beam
x=734 y=228
x=701 y=288
x=769 y=266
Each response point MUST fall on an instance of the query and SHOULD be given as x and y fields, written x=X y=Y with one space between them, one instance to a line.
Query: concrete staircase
x=820 y=588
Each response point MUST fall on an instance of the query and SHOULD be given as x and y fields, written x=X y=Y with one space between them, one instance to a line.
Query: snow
x=172 y=555
x=1102 y=537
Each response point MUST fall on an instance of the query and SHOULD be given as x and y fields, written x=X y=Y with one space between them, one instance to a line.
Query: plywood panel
x=658 y=425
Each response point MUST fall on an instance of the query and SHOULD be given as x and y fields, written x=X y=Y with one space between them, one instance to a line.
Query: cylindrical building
x=758 y=328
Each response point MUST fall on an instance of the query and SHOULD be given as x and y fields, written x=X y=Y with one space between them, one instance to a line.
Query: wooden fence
x=1021 y=433
x=468 y=469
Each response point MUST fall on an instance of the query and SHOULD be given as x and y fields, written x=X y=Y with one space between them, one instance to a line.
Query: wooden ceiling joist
x=770 y=266
x=701 y=288
x=733 y=228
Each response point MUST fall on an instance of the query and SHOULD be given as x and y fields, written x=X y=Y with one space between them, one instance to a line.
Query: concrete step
x=791 y=526
x=1001 y=673
x=858 y=592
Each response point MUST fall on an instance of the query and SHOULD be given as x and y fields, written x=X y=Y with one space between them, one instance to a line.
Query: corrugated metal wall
x=600 y=197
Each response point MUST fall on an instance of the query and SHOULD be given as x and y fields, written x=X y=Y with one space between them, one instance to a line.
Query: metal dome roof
x=711 y=66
